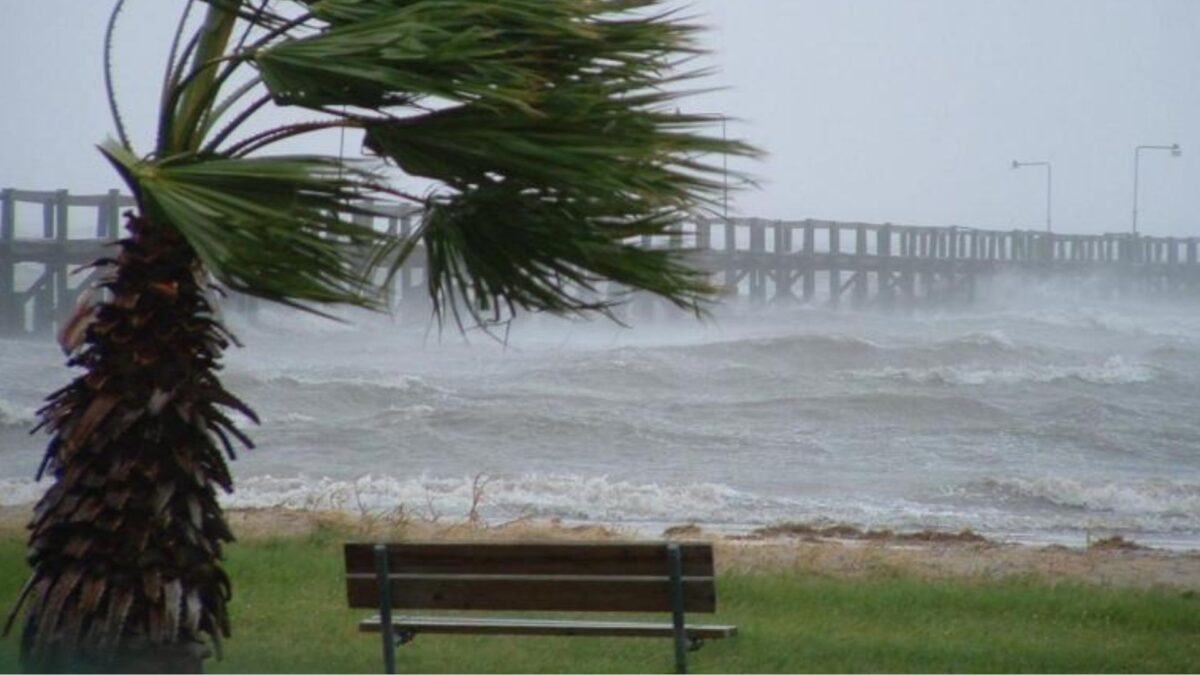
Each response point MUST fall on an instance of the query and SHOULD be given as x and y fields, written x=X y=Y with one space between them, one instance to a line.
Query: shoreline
x=838 y=550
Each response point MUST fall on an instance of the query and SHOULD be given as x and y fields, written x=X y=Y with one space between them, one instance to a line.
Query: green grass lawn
x=289 y=615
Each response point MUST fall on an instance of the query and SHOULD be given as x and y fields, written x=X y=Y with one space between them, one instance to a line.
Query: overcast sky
x=905 y=111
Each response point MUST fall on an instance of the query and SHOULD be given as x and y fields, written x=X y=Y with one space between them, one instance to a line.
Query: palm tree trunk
x=126 y=544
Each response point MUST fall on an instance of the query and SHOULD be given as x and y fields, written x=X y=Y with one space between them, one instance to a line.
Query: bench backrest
x=586 y=577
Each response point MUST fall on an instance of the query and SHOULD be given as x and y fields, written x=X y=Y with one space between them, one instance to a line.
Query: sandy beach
x=833 y=551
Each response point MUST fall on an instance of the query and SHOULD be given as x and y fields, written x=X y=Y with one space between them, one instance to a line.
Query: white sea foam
x=535 y=495
x=1125 y=321
x=1113 y=370
x=383 y=380
x=21 y=491
x=1162 y=507
x=1169 y=498
x=14 y=415
x=991 y=338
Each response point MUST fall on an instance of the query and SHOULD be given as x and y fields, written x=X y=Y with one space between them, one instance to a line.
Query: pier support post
x=883 y=277
x=9 y=324
x=860 y=265
x=835 y=274
x=784 y=262
x=63 y=298
x=810 y=273
x=758 y=261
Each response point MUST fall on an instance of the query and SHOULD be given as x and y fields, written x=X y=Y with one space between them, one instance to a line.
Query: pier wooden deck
x=46 y=236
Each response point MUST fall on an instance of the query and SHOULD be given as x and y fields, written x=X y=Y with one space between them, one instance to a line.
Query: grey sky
x=906 y=111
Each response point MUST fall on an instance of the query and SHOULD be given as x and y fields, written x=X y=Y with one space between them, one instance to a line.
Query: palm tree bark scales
x=126 y=542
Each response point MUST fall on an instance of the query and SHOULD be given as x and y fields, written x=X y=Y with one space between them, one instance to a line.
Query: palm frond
x=552 y=131
x=503 y=54
x=544 y=120
x=279 y=228
x=503 y=248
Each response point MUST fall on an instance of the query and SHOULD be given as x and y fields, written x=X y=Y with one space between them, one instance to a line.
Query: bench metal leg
x=385 y=609
x=675 y=565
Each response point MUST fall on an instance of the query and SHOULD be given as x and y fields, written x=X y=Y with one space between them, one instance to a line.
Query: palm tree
x=548 y=129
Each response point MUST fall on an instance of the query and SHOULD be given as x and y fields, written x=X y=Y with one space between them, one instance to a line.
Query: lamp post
x=1049 y=183
x=1137 y=158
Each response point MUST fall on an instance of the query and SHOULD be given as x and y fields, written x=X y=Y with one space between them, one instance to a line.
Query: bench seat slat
x=583 y=593
x=503 y=626
x=531 y=558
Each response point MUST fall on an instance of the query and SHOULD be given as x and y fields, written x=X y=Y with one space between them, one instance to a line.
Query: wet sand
x=832 y=551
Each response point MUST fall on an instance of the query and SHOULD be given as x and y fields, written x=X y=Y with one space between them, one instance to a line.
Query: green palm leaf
x=478 y=248
x=279 y=228
x=552 y=128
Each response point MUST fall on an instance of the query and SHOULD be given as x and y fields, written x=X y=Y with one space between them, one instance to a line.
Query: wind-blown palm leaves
x=546 y=127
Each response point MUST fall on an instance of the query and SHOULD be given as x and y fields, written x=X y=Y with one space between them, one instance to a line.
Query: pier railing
x=46 y=236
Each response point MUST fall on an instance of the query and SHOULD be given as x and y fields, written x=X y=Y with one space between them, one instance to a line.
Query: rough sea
x=1028 y=417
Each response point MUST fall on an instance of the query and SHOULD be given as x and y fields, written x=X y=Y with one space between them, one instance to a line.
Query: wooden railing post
x=63 y=303
x=783 y=260
x=758 y=247
x=703 y=234
x=810 y=272
x=860 y=271
x=730 y=257
x=8 y=302
x=108 y=224
x=835 y=274
x=883 y=276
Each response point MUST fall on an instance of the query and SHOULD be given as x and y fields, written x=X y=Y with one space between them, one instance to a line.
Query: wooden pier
x=46 y=236
x=889 y=265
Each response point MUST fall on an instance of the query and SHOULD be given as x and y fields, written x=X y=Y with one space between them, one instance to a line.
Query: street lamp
x=1137 y=157
x=1049 y=183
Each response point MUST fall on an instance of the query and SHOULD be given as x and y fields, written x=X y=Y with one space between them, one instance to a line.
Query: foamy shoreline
x=834 y=551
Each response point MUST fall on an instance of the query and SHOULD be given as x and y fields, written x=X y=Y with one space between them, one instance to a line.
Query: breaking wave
x=1164 y=498
x=1114 y=370
x=14 y=415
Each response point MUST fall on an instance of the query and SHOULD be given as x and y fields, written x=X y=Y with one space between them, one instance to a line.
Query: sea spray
x=1040 y=421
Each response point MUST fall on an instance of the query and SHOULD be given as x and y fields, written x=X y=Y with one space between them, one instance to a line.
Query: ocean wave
x=410 y=384
x=781 y=355
x=533 y=495
x=21 y=492
x=568 y=496
x=288 y=418
x=14 y=415
x=1150 y=507
x=805 y=343
x=1117 y=321
x=1166 y=498
x=992 y=339
x=1114 y=370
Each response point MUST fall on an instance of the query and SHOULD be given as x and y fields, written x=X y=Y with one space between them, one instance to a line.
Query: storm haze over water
x=1044 y=421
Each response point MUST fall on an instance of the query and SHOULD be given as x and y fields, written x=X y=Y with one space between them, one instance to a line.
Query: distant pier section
x=46 y=237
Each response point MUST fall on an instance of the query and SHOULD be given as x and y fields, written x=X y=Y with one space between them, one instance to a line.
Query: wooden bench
x=554 y=577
